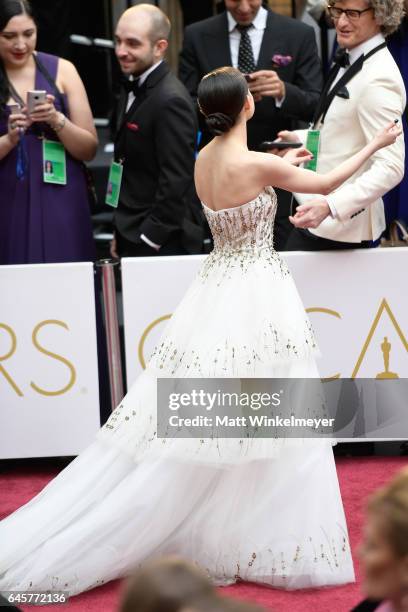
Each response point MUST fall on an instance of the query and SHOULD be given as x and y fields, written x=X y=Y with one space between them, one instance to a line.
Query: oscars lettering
x=38 y=346
x=385 y=347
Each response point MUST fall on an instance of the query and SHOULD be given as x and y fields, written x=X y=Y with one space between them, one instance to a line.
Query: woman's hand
x=17 y=124
x=284 y=136
x=388 y=135
x=46 y=112
x=287 y=136
x=297 y=156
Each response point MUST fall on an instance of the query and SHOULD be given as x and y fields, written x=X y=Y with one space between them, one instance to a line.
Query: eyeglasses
x=351 y=14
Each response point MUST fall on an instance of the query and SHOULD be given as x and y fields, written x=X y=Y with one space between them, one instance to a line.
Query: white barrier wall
x=355 y=300
x=49 y=397
x=49 y=403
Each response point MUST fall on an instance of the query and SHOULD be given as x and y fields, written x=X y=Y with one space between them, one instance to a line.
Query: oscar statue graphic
x=386 y=350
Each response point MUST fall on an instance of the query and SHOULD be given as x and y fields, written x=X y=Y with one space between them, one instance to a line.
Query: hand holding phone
x=41 y=109
x=35 y=97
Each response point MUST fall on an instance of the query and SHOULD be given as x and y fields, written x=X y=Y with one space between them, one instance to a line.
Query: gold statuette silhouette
x=386 y=350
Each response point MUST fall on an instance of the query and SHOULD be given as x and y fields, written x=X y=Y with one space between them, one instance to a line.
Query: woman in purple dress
x=41 y=222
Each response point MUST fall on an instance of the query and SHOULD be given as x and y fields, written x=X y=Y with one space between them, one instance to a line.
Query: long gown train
x=263 y=510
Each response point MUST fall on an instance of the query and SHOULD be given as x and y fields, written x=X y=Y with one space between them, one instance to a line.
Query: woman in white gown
x=263 y=510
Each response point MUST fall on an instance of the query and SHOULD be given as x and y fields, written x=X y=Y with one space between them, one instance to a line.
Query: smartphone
x=35 y=97
x=268 y=145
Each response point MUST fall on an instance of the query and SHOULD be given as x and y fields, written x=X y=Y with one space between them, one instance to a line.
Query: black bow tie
x=130 y=86
x=342 y=58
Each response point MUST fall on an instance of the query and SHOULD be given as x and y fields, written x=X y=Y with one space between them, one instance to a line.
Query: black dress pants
x=126 y=248
x=283 y=227
x=303 y=240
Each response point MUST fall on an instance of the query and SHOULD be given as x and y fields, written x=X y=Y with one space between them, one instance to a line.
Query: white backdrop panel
x=49 y=397
x=355 y=300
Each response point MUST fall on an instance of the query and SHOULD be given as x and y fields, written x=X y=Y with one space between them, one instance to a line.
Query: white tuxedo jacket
x=377 y=97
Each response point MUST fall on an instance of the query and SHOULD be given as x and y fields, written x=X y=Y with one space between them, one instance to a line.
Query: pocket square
x=281 y=61
x=133 y=126
x=343 y=93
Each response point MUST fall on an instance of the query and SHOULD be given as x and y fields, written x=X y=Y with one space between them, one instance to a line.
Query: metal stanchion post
x=107 y=267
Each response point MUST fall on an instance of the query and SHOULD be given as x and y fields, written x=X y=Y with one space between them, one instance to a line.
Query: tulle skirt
x=262 y=510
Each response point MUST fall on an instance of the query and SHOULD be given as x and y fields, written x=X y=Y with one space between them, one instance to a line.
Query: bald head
x=156 y=22
x=141 y=38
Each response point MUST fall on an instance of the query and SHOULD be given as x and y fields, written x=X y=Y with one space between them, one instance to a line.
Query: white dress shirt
x=255 y=34
x=142 y=77
x=131 y=97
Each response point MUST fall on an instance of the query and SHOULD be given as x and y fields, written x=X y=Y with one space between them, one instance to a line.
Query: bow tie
x=130 y=86
x=342 y=58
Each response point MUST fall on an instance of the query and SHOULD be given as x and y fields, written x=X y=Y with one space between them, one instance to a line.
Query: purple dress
x=39 y=222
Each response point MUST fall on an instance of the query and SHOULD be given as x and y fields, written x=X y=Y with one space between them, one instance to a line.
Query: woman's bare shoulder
x=67 y=74
x=263 y=165
x=228 y=181
x=253 y=164
x=261 y=159
x=66 y=67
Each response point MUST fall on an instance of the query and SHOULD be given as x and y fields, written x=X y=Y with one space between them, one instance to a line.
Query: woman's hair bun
x=221 y=97
x=219 y=123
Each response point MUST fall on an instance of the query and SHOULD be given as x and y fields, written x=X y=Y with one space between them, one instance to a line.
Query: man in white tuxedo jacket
x=353 y=215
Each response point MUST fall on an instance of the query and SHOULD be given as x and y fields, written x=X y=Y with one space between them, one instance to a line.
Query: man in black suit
x=278 y=53
x=155 y=142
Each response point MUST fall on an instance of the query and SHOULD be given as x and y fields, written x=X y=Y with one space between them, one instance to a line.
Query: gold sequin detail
x=243 y=236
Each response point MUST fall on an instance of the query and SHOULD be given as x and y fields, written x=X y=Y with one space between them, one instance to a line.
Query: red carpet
x=358 y=477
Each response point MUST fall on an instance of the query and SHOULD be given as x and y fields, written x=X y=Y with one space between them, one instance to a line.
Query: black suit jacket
x=206 y=47
x=156 y=140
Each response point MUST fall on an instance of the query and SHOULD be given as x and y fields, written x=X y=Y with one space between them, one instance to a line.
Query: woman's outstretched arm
x=277 y=172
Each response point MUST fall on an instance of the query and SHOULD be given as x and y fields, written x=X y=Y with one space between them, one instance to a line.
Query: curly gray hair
x=388 y=13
